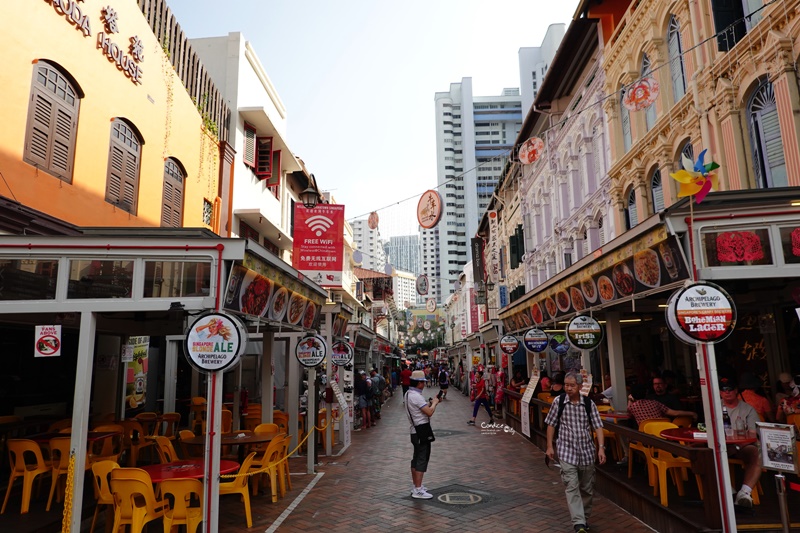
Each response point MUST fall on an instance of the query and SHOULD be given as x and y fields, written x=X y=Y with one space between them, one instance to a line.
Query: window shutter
x=275 y=179
x=625 y=118
x=172 y=203
x=116 y=169
x=64 y=130
x=264 y=157
x=657 y=190
x=727 y=12
x=249 y=156
x=39 y=118
x=123 y=167
x=676 y=60
x=513 y=252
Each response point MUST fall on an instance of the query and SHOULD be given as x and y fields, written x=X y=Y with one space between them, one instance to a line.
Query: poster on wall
x=319 y=243
x=47 y=341
x=136 y=371
x=778 y=447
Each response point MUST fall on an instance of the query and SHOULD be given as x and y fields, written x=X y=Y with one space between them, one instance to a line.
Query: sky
x=358 y=79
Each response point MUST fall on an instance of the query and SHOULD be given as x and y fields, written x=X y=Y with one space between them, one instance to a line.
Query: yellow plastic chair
x=683 y=421
x=101 y=475
x=253 y=416
x=166 y=452
x=109 y=448
x=605 y=408
x=664 y=461
x=135 y=441
x=644 y=450
x=239 y=486
x=545 y=397
x=170 y=421
x=264 y=429
x=55 y=427
x=282 y=420
x=20 y=451
x=180 y=511
x=189 y=452
x=283 y=468
x=59 y=454
x=198 y=410
x=266 y=461
x=135 y=502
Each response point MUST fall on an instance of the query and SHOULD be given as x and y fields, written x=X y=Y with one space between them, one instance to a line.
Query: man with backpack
x=444 y=382
x=570 y=422
x=378 y=384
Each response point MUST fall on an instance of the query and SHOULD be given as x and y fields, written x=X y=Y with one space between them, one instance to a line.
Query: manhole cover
x=460 y=498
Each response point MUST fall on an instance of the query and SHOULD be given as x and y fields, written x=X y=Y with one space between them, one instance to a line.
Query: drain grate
x=460 y=498
x=453 y=499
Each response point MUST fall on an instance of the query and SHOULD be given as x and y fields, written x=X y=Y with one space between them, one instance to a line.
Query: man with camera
x=419 y=413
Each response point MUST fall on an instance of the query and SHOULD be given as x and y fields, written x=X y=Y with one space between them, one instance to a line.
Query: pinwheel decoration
x=696 y=178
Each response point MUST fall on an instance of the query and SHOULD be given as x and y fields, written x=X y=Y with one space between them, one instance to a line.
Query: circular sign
x=422 y=285
x=48 y=345
x=341 y=353
x=357 y=257
x=559 y=343
x=430 y=305
x=311 y=351
x=535 y=340
x=372 y=221
x=429 y=209
x=705 y=312
x=388 y=269
x=426 y=325
x=585 y=332
x=215 y=342
x=672 y=321
x=509 y=344
x=530 y=150
x=641 y=94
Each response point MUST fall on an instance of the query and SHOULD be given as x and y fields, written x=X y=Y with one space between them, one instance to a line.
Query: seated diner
x=742 y=416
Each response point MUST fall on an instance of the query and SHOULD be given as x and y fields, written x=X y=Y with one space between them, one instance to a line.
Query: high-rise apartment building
x=402 y=252
x=404 y=285
x=368 y=242
x=429 y=260
x=474 y=138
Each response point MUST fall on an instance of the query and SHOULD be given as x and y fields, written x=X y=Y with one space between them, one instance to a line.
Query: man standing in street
x=405 y=379
x=574 y=417
x=419 y=412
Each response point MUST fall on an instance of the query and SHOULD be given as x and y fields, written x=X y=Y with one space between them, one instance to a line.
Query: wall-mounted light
x=310 y=198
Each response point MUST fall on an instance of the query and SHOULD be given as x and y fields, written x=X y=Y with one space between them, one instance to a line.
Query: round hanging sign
x=509 y=344
x=559 y=343
x=531 y=150
x=430 y=305
x=426 y=325
x=388 y=269
x=672 y=321
x=422 y=285
x=311 y=351
x=535 y=340
x=341 y=353
x=429 y=209
x=641 y=94
x=705 y=312
x=216 y=341
x=357 y=257
x=372 y=221
x=584 y=332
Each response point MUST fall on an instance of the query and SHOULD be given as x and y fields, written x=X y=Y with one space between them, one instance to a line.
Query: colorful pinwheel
x=696 y=178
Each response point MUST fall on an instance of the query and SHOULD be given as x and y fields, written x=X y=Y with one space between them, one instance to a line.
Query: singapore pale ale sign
x=215 y=342
x=311 y=351
x=705 y=312
x=341 y=353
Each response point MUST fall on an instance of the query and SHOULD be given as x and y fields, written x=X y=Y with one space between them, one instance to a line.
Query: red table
x=193 y=468
x=686 y=435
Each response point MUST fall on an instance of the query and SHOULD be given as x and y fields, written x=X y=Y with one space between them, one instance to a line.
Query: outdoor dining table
x=192 y=468
x=615 y=417
x=234 y=439
x=92 y=436
x=693 y=436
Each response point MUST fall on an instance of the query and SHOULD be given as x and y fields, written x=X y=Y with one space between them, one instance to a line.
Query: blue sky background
x=358 y=79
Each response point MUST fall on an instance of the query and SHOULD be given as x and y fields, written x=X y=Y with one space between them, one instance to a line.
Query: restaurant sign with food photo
x=648 y=263
x=216 y=341
x=584 y=332
x=311 y=351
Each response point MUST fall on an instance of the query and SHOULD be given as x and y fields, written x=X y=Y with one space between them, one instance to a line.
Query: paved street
x=368 y=487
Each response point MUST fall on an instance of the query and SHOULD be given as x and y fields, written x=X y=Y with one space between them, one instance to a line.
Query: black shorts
x=443 y=386
x=422 y=453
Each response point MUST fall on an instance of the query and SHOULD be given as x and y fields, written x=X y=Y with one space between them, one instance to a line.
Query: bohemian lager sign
x=704 y=312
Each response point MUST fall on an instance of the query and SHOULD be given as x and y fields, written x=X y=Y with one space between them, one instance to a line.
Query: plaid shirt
x=575 y=444
x=646 y=409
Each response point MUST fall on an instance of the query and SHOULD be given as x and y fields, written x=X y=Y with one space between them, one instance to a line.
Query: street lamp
x=309 y=197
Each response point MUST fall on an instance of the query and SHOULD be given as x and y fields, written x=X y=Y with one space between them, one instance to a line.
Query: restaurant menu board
x=778 y=447
x=648 y=263
x=135 y=351
x=586 y=385
x=343 y=410
x=535 y=340
x=254 y=294
x=311 y=351
x=341 y=353
x=704 y=312
x=525 y=418
x=509 y=344
x=584 y=332
x=216 y=341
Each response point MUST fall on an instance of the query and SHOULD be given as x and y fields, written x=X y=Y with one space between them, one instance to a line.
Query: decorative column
x=787 y=97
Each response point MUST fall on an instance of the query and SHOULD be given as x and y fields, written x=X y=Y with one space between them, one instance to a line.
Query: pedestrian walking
x=481 y=397
x=419 y=413
x=444 y=381
x=570 y=422
x=405 y=379
x=363 y=398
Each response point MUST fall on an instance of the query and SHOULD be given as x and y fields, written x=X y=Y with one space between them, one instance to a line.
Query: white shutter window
x=765 y=137
x=650 y=111
x=676 y=66
x=658 y=191
x=625 y=118
x=631 y=213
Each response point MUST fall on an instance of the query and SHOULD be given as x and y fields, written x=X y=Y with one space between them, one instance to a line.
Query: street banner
x=319 y=243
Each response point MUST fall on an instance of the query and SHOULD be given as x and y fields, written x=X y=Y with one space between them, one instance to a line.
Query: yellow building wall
x=159 y=107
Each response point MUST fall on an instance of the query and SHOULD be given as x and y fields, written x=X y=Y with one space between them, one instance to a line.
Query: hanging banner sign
x=47 y=341
x=430 y=305
x=216 y=341
x=319 y=243
x=341 y=353
x=509 y=344
x=493 y=253
x=584 y=332
x=478 y=269
x=422 y=285
x=372 y=221
x=531 y=150
x=535 y=340
x=311 y=351
x=705 y=312
x=429 y=209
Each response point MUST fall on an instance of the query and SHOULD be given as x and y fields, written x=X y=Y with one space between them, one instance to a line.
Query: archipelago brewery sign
x=535 y=340
x=509 y=344
x=341 y=353
x=311 y=351
x=704 y=312
x=216 y=341
x=584 y=332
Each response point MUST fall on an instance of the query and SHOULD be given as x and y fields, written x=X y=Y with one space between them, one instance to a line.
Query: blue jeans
x=478 y=403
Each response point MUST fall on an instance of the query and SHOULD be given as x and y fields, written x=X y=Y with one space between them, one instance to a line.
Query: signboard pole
x=213 y=450
x=311 y=417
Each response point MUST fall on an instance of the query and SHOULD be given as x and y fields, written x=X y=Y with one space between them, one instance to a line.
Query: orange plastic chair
x=198 y=410
x=135 y=440
x=683 y=421
x=149 y=422
x=55 y=427
x=663 y=461
x=189 y=451
x=135 y=502
x=605 y=408
x=19 y=452
x=266 y=462
x=226 y=426
x=180 y=511
x=170 y=421
x=101 y=475
x=239 y=486
x=110 y=448
x=166 y=452
x=59 y=453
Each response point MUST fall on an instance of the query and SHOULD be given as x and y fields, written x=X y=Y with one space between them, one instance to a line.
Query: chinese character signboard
x=493 y=253
x=319 y=242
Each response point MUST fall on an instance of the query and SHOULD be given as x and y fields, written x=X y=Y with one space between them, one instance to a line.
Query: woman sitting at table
x=517 y=381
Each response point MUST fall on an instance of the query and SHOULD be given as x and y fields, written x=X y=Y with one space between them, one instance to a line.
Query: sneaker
x=470 y=422
x=421 y=494
x=744 y=500
x=581 y=528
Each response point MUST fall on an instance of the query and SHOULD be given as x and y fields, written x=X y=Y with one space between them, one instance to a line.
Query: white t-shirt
x=414 y=402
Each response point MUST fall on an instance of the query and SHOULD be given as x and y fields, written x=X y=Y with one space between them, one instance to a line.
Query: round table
x=687 y=436
x=232 y=439
x=193 y=468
